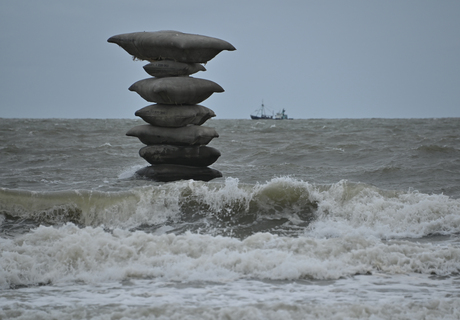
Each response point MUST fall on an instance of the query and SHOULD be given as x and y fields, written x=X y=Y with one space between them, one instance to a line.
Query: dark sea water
x=312 y=219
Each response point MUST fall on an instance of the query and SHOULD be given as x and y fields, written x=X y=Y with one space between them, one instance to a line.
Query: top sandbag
x=171 y=45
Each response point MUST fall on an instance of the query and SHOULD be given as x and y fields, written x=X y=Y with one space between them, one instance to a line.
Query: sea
x=312 y=219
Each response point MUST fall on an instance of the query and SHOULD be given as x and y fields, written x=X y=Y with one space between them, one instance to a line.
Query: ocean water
x=312 y=219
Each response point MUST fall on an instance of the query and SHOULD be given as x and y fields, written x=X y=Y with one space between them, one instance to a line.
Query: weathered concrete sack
x=175 y=90
x=189 y=135
x=169 y=68
x=171 y=45
x=174 y=172
x=196 y=156
x=166 y=115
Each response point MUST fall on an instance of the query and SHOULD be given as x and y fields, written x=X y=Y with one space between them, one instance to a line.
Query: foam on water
x=319 y=211
x=405 y=297
x=129 y=172
x=68 y=253
x=347 y=208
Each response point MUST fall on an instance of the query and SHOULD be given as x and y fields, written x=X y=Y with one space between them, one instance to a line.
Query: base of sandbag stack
x=173 y=172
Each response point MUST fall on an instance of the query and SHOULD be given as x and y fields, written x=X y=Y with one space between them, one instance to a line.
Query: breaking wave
x=283 y=206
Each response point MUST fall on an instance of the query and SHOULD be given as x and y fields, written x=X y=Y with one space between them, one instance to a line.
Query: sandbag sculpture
x=176 y=142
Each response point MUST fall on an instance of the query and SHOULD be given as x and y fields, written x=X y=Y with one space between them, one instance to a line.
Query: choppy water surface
x=313 y=219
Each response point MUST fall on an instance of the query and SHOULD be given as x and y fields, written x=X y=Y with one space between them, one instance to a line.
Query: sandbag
x=169 y=68
x=174 y=172
x=189 y=135
x=165 y=115
x=175 y=90
x=196 y=156
x=171 y=45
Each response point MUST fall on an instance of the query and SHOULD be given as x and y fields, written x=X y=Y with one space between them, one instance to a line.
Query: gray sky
x=316 y=59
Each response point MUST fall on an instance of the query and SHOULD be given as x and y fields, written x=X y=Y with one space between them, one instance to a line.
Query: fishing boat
x=260 y=114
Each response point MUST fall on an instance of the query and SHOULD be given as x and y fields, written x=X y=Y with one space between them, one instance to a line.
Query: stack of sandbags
x=176 y=142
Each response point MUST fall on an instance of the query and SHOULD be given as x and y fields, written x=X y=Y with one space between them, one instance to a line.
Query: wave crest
x=282 y=205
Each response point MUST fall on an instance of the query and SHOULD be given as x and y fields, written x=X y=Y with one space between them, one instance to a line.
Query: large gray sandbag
x=166 y=115
x=196 y=156
x=189 y=135
x=171 y=45
x=175 y=90
x=174 y=172
x=169 y=68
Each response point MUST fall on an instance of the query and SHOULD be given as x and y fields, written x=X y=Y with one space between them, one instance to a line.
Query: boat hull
x=261 y=117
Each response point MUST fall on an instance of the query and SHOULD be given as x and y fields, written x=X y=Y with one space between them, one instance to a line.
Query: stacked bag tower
x=176 y=142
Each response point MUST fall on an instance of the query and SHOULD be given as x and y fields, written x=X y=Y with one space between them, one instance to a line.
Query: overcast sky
x=316 y=59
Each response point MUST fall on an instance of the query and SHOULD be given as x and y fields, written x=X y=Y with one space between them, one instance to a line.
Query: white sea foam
x=361 y=209
x=107 y=144
x=129 y=172
x=335 y=210
x=224 y=197
x=404 y=297
x=92 y=255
